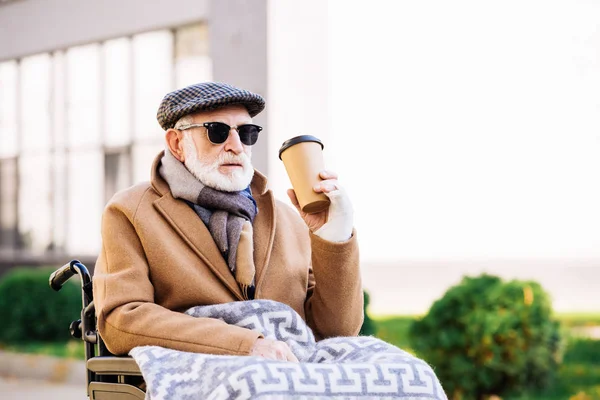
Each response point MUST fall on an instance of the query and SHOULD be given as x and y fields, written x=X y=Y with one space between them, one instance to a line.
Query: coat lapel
x=263 y=227
x=264 y=234
x=193 y=231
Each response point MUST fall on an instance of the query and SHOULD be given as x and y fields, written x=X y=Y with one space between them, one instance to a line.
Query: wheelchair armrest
x=106 y=365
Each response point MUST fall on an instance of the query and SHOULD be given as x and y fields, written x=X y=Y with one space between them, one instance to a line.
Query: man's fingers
x=273 y=350
x=292 y=195
x=291 y=357
x=286 y=352
x=326 y=186
x=280 y=353
x=283 y=352
x=328 y=175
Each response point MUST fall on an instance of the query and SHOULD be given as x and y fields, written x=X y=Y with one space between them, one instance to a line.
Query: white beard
x=208 y=173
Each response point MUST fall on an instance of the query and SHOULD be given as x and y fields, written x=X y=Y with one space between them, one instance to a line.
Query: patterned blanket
x=335 y=368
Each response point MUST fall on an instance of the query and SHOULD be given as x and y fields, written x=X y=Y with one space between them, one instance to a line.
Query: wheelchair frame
x=108 y=377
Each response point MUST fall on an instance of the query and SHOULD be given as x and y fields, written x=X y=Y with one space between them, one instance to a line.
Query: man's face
x=224 y=166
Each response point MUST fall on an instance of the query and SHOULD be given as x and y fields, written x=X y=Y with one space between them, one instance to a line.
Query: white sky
x=468 y=129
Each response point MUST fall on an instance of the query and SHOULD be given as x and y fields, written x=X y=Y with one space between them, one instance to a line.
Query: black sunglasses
x=218 y=132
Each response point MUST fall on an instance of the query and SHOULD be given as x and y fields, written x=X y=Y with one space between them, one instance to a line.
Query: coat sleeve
x=126 y=311
x=334 y=304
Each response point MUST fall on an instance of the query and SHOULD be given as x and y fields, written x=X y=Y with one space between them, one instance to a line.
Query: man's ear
x=174 y=138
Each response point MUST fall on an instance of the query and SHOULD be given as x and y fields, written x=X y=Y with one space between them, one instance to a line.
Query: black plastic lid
x=299 y=139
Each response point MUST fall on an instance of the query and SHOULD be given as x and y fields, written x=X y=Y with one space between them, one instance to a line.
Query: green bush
x=394 y=330
x=368 y=327
x=486 y=336
x=583 y=350
x=31 y=311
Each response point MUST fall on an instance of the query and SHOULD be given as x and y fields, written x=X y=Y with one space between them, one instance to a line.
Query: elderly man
x=206 y=230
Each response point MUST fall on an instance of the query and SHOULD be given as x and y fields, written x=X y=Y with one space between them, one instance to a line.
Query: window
x=59 y=152
x=153 y=78
x=192 y=61
x=83 y=94
x=117 y=93
x=8 y=109
x=9 y=235
x=117 y=171
x=84 y=151
x=34 y=206
x=9 y=238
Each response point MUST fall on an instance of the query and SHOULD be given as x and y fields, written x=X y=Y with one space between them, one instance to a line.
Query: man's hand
x=317 y=220
x=272 y=350
x=334 y=224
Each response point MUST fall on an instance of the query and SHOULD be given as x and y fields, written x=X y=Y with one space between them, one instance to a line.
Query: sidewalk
x=42 y=367
x=26 y=389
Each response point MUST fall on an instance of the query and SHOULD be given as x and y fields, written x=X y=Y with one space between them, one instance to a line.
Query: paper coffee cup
x=303 y=160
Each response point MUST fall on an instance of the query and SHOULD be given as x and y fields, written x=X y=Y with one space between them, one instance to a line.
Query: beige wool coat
x=159 y=259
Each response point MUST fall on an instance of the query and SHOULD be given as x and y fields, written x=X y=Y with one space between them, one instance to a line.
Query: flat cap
x=203 y=97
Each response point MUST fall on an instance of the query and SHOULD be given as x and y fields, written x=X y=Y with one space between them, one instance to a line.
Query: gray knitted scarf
x=224 y=213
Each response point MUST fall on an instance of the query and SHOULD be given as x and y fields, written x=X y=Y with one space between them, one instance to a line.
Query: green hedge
x=486 y=336
x=368 y=327
x=31 y=311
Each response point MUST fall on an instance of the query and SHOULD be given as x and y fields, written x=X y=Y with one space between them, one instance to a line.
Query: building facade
x=80 y=84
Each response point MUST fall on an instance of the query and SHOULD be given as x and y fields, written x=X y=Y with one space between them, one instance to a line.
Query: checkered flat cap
x=202 y=97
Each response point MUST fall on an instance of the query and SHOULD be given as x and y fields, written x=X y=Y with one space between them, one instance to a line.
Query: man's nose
x=233 y=142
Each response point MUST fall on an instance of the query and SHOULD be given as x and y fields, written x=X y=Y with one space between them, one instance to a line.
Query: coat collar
x=192 y=230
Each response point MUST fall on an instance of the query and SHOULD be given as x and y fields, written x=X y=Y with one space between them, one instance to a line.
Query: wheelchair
x=108 y=377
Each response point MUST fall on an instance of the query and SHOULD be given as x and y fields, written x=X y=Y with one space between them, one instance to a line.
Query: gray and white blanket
x=336 y=368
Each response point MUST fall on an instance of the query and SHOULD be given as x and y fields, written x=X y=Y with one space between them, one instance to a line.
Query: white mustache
x=230 y=158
